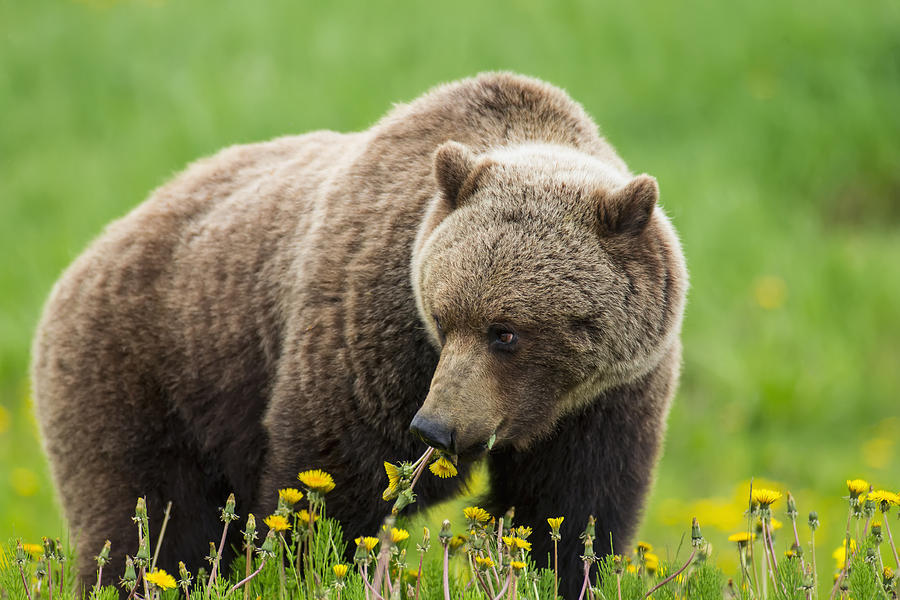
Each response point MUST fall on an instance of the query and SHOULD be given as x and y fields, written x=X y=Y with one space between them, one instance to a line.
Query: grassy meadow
x=772 y=127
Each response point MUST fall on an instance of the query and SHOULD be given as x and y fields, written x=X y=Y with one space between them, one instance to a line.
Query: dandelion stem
x=99 y=577
x=837 y=582
x=587 y=570
x=162 y=534
x=891 y=540
x=419 y=574
x=446 y=569
x=513 y=592
x=555 y=571
x=672 y=576
x=368 y=585
x=767 y=533
x=246 y=579
x=215 y=566
x=422 y=462
x=247 y=572
x=619 y=585
x=505 y=585
x=49 y=576
x=24 y=582
x=812 y=544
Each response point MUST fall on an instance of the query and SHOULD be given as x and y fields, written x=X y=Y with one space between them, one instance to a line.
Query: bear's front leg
x=599 y=463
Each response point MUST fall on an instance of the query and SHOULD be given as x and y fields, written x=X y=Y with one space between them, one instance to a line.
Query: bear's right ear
x=454 y=164
x=628 y=209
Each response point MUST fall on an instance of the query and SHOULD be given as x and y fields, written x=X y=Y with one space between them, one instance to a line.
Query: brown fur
x=272 y=310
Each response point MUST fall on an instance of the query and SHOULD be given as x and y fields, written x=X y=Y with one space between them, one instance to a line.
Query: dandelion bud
x=40 y=570
x=213 y=554
x=140 y=511
x=130 y=577
x=791 y=507
x=103 y=558
x=20 y=553
x=426 y=541
x=877 y=536
x=588 y=549
x=590 y=529
x=887 y=578
x=445 y=535
x=268 y=547
x=696 y=537
x=228 y=514
x=617 y=564
x=184 y=575
x=871 y=558
x=250 y=531
x=58 y=548
x=797 y=550
x=48 y=548
x=142 y=558
x=813 y=520
x=404 y=499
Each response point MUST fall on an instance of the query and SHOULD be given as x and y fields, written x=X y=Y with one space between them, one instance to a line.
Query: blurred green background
x=773 y=128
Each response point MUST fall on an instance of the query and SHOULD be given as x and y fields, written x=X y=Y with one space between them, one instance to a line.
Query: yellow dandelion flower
x=474 y=513
x=789 y=554
x=888 y=573
x=840 y=555
x=518 y=565
x=522 y=544
x=651 y=561
x=303 y=515
x=884 y=498
x=643 y=548
x=399 y=535
x=412 y=574
x=367 y=542
x=277 y=523
x=33 y=549
x=555 y=522
x=457 y=540
x=290 y=495
x=631 y=569
x=765 y=497
x=317 y=480
x=484 y=562
x=857 y=487
x=393 y=475
x=340 y=571
x=523 y=532
x=741 y=537
x=510 y=541
x=443 y=468
x=161 y=579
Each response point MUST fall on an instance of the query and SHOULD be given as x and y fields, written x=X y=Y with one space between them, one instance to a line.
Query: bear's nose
x=433 y=433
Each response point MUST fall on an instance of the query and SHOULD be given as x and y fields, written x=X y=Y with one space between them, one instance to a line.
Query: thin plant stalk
x=555 y=570
x=419 y=574
x=49 y=578
x=673 y=575
x=505 y=586
x=584 y=584
x=767 y=534
x=891 y=540
x=246 y=579
x=215 y=566
x=446 y=570
x=24 y=582
x=513 y=592
x=843 y=573
x=619 y=585
x=422 y=463
x=368 y=585
x=812 y=544
x=162 y=534
x=247 y=572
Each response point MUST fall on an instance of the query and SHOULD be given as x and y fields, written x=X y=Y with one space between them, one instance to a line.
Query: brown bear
x=479 y=264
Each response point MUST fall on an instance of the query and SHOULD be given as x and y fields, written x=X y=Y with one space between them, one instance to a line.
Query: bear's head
x=544 y=276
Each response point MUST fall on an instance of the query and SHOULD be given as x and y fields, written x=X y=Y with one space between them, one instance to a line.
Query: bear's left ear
x=628 y=209
x=454 y=164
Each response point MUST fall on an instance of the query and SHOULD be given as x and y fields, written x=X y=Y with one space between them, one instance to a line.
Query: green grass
x=772 y=127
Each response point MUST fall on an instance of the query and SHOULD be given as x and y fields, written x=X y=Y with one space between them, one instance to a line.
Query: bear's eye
x=440 y=330
x=502 y=337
